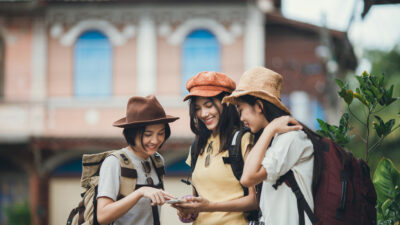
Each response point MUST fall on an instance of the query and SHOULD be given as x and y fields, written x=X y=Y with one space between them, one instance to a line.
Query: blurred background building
x=68 y=67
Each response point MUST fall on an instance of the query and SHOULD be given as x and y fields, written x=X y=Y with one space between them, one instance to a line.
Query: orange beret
x=209 y=84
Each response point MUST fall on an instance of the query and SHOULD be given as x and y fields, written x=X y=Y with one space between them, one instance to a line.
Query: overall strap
x=302 y=205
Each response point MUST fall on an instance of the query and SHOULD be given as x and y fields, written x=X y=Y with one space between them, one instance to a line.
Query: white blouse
x=291 y=150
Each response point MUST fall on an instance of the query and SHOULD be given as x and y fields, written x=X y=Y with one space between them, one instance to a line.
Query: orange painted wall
x=60 y=69
x=232 y=59
x=18 y=59
x=168 y=68
x=124 y=69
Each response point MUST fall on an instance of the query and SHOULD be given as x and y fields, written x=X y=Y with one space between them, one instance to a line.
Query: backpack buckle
x=123 y=156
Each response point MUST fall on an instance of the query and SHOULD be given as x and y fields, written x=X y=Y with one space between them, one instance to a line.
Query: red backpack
x=345 y=194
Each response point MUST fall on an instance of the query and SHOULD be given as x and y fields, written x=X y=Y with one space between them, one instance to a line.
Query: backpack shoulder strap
x=128 y=173
x=302 y=205
x=235 y=158
x=158 y=163
x=194 y=154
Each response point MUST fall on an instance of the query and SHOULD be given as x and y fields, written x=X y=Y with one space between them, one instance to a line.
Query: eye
x=147 y=134
x=209 y=105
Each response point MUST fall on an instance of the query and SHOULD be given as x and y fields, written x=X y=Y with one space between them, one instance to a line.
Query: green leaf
x=348 y=98
x=361 y=98
x=379 y=127
x=388 y=126
x=376 y=92
x=369 y=96
x=360 y=81
x=385 y=179
x=388 y=96
x=339 y=83
x=380 y=80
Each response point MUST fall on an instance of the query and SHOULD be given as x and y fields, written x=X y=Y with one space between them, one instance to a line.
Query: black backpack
x=236 y=161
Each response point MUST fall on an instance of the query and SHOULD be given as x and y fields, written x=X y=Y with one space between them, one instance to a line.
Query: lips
x=151 y=148
x=209 y=121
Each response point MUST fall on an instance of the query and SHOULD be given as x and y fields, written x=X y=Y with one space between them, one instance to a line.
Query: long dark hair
x=131 y=132
x=228 y=122
x=271 y=112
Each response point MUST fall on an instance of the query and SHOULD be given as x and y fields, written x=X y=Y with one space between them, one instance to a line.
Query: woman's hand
x=194 y=204
x=283 y=124
x=157 y=196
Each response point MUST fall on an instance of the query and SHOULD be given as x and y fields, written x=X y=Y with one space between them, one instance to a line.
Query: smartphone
x=174 y=201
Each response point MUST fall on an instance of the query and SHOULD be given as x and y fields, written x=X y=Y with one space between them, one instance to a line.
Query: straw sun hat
x=261 y=83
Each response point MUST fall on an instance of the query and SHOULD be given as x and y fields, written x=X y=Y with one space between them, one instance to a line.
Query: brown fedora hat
x=209 y=84
x=142 y=111
x=262 y=83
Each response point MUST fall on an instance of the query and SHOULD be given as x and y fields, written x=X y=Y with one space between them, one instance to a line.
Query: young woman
x=221 y=199
x=145 y=130
x=283 y=145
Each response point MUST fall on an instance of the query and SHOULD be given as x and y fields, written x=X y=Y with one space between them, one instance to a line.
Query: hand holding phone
x=174 y=201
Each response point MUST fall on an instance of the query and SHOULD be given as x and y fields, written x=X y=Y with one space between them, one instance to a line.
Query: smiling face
x=252 y=116
x=208 y=111
x=153 y=137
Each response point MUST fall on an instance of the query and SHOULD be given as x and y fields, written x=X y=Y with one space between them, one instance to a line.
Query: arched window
x=93 y=65
x=201 y=52
x=2 y=59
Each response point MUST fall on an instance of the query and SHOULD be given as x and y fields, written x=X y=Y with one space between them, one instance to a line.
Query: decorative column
x=254 y=38
x=146 y=56
x=39 y=59
x=39 y=71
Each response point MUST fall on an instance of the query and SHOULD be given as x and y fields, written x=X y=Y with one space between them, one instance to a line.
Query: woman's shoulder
x=298 y=135
x=248 y=137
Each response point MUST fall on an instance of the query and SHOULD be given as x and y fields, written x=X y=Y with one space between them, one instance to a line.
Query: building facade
x=67 y=69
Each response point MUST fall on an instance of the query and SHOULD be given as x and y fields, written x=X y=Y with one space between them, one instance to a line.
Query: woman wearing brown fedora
x=221 y=199
x=283 y=145
x=145 y=128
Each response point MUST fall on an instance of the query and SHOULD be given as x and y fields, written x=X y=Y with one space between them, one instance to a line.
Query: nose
x=155 y=139
x=204 y=113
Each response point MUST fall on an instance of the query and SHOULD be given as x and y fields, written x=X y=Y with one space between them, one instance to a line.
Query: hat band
x=210 y=88
x=261 y=91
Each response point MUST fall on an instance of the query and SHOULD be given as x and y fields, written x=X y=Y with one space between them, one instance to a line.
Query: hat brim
x=232 y=99
x=123 y=124
x=203 y=93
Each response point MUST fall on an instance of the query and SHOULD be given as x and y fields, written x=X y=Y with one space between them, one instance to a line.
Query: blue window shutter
x=200 y=52
x=93 y=65
x=319 y=113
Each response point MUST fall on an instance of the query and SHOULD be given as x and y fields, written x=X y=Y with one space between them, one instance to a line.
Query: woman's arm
x=253 y=171
x=109 y=210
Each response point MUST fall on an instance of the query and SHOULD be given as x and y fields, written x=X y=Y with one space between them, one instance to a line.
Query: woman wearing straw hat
x=221 y=199
x=145 y=128
x=283 y=145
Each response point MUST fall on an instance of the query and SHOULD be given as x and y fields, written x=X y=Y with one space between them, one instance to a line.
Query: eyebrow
x=163 y=129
